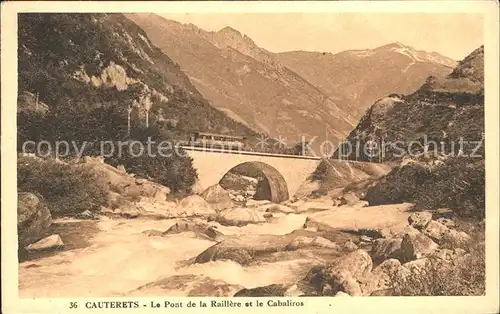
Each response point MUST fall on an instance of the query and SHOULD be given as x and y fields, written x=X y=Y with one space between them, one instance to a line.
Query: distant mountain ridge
x=363 y=76
x=293 y=93
x=247 y=82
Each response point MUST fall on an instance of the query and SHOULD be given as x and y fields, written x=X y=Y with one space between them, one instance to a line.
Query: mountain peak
x=228 y=30
x=394 y=45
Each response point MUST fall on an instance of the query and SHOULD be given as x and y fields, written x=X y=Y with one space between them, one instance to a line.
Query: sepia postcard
x=288 y=157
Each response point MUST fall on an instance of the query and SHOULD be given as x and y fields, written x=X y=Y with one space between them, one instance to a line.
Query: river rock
x=419 y=220
x=86 y=214
x=217 y=197
x=416 y=245
x=199 y=228
x=303 y=242
x=242 y=249
x=195 y=205
x=240 y=216
x=51 y=242
x=33 y=218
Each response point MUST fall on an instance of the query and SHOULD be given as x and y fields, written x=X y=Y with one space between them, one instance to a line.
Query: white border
x=486 y=304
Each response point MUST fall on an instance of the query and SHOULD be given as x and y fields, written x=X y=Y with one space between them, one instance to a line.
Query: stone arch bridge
x=285 y=173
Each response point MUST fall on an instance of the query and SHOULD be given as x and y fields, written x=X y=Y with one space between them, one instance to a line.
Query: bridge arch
x=283 y=172
x=274 y=180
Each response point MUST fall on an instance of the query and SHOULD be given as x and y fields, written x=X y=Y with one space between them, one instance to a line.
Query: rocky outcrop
x=33 y=218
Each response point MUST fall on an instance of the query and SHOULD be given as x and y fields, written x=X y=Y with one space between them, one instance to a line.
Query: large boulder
x=385 y=273
x=357 y=263
x=217 y=197
x=344 y=274
x=195 y=205
x=383 y=249
x=49 y=243
x=33 y=218
x=393 y=217
x=243 y=249
x=240 y=216
x=416 y=245
x=304 y=242
x=435 y=231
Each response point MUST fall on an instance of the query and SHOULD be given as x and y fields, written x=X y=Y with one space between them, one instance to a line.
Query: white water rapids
x=119 y=259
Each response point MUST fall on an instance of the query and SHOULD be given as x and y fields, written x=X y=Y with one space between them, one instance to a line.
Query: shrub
x=398 y=186
x=67 y=189
x=176 y=171
x=458 y=184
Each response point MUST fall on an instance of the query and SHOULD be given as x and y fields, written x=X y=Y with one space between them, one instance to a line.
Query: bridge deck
x=241 y=152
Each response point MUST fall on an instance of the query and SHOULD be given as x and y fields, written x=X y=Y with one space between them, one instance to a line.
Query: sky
x=453 y=35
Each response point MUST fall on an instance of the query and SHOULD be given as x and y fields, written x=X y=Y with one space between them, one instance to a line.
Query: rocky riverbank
x=147 y=243
x=294 y=252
